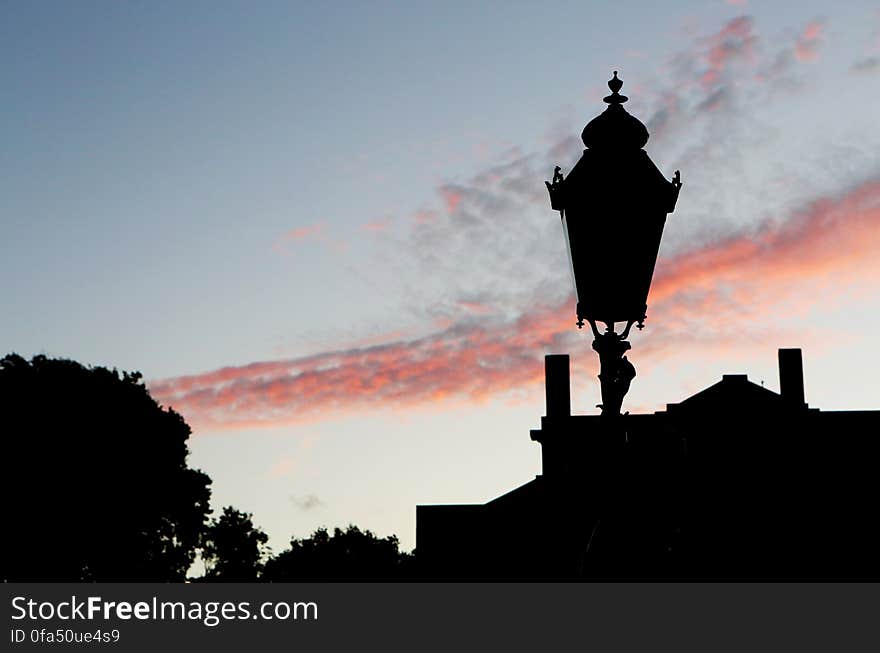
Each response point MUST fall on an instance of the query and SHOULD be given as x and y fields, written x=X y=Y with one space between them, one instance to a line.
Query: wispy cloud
x=297 y=235
x=451 y=198
x=830 y=240
x=866 y=65
x=281 y=467
x=377 y=226
x=869 y=60
x=463 y=360
x=307 y=502
x=736 y=40
x=808 y=41
x=825 y=240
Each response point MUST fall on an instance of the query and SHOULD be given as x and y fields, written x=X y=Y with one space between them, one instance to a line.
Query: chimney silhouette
x=556 y=385
x=791 y=376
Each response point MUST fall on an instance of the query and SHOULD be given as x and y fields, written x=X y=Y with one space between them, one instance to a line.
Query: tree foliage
x=96 y=481
x=233 y=549
x=346 y=554
x=97 y=488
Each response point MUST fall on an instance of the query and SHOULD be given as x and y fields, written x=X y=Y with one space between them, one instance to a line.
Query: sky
x=320 y=230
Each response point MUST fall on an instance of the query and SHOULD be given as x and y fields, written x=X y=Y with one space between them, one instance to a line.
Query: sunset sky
x=320 y=230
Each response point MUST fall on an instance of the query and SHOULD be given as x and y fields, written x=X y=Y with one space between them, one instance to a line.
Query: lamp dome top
x=615 y=128
x=615 y=84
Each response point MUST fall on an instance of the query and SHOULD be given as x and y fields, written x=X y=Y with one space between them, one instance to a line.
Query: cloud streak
x=474 y=359
x=377 y=226
x=866 y=65
x=829 y=240
x=307 y=502
x=736 y=40
x=297 y=235
x=808 y=42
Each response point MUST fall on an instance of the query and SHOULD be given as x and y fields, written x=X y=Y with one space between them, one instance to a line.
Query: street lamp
x=613 y=206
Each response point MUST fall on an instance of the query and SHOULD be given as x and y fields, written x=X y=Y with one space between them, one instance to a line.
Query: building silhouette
x=736 y=481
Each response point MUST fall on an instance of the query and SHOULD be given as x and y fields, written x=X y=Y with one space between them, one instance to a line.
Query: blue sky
x=351 y=196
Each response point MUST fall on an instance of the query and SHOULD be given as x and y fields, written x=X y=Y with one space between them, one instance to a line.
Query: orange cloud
x=474 y=307
x=717 y=287
x=734 y=40
x=451 y=198
x=296 y=235
x=425 y=217
x=829 y=235
x=806 y=47
x=377 y=226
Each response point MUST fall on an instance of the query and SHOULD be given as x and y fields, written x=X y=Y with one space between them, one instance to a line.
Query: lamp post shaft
x=616 y=372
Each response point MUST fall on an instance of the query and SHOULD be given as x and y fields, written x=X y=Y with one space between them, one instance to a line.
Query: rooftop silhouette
x=736 y=481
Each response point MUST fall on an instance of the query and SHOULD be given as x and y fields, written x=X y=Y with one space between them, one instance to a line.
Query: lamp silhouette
x=613 y=206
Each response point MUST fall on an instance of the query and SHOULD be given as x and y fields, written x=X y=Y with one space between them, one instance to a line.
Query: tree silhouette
x=95 y=478
x=349 y=554
x=234 y=548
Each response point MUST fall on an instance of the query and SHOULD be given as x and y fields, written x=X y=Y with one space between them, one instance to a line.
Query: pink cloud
x=377 y=226
x=735 y=40
x=831 y=240
x=719 y=287
x=807 y=44
x=297 y=235
x=451 y=198
x=425 y=217
x=475 y=307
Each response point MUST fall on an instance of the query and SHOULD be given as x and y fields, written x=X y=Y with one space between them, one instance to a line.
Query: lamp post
x=613 y=206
